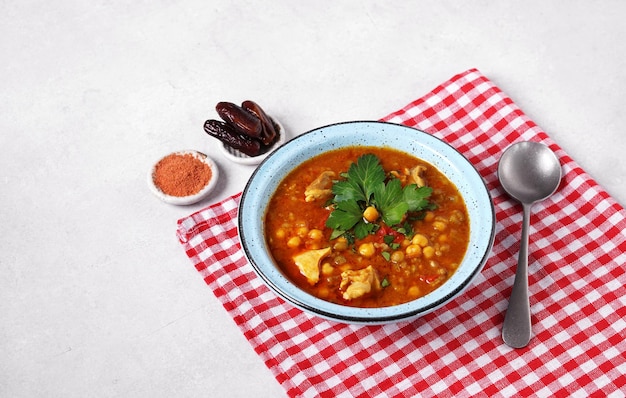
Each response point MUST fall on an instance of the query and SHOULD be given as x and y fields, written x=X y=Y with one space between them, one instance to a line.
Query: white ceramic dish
x=241 y=158
x=455 y=166
x=186 y=200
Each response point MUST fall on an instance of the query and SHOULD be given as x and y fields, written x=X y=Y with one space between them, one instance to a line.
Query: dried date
x=229 y=136
x=269 y=132
x=240 y=119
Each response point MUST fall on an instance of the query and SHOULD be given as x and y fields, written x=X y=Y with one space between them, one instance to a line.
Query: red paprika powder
x=181 y=174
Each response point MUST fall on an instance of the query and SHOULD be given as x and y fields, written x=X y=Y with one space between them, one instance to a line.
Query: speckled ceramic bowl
x=277 y=165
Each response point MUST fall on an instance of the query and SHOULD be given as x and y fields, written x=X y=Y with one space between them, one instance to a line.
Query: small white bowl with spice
x=183 y=177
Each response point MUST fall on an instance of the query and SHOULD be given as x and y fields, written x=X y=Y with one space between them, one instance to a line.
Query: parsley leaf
x=348 y=190
x=417 y=197
x=362 y=229
x=366 y=184
x=390 y=201
x=345 y=216
x=367 y=173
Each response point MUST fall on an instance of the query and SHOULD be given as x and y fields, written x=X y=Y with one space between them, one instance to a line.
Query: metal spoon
x=529 y=172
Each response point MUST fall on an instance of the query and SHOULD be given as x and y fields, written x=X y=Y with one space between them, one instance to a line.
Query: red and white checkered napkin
x=577 y=277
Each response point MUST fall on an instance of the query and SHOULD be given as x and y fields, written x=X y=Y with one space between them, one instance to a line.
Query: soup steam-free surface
x=394 y=264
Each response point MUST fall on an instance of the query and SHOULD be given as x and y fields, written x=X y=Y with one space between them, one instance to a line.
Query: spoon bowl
x=529 y=172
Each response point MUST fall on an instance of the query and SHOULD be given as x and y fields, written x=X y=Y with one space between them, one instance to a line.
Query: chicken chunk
x=416 y=176
x=320 y=188
x=358 y=283
x=308 y=263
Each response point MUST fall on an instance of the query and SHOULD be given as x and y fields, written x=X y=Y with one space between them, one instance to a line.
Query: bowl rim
x=342 y=313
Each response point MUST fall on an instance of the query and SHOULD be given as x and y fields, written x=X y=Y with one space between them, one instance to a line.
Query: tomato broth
x=392 y=264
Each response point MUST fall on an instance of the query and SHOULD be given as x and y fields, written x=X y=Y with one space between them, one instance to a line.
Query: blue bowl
x=456 y=167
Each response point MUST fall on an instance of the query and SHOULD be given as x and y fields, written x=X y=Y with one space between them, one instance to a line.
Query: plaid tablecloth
x=576 y=278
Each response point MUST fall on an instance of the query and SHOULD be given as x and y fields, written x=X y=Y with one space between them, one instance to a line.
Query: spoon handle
x=516 y=331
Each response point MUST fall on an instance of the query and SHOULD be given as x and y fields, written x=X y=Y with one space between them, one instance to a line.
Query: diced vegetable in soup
x=367 y=227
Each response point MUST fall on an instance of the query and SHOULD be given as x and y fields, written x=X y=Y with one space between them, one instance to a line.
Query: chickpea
x=327 y=269
x=367 y=249
x=429 y=216
x=442 y=238
x=280 y=233
x=316 y=234
x=428 y=252
x=314 y=245
x=397 y=256
x=457 y=217
x=413 y=251
x=339 y=260
x=420 y=239
x=413 y=291
x=340 y=244
x=302 y=231
x=294 y=242
x=370 y=214
x=346 y=267
x=439 y=225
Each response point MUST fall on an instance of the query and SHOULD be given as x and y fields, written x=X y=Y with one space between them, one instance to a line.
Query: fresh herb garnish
x=366 y=184
x=388 y=239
